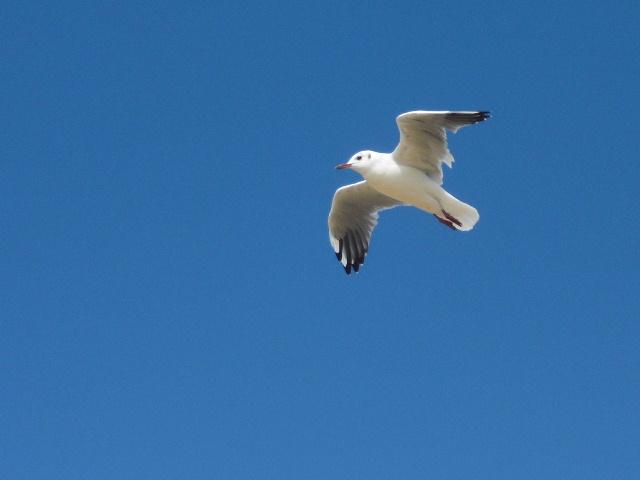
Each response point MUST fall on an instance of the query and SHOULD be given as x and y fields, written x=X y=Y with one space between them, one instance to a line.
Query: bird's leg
x=445 y=222
x=451 y=218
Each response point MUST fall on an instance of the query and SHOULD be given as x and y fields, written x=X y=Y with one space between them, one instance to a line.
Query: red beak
x=342 y=166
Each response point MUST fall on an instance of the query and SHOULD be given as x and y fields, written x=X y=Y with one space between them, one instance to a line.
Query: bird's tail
x=457 y=214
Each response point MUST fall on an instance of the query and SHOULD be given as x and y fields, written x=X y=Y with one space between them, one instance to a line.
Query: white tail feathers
x=461 y=214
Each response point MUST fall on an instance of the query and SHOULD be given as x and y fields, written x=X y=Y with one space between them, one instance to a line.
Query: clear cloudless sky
x=170 y=306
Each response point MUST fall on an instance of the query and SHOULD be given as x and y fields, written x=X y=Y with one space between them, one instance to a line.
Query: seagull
x=410 y=175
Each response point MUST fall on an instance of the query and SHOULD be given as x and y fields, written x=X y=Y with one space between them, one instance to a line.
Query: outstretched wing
x=423 y=138
x=353 y=216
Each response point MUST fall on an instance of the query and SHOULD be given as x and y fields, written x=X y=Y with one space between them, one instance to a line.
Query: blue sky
x=172 y=308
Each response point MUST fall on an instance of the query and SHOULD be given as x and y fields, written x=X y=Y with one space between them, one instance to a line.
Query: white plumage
x=410 y=175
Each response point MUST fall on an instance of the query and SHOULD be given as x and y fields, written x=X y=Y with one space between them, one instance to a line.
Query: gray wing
x=353 y=216
x=423 y=138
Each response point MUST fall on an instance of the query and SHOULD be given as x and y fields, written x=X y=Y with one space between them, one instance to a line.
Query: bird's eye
x=359 y=157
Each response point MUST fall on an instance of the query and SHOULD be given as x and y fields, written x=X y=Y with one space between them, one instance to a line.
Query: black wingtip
x=352 y=253
x=469 y=118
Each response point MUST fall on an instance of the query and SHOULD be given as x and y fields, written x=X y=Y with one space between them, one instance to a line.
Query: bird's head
x=359 y=162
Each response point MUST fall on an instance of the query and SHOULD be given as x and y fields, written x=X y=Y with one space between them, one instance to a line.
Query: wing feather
x=423 y=138
x=353 y=216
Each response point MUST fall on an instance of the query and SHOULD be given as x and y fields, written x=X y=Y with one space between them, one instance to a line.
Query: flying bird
x=410 y=175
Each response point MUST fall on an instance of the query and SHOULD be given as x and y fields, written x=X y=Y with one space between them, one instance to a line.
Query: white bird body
x=410 y=175
x=406 y=184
